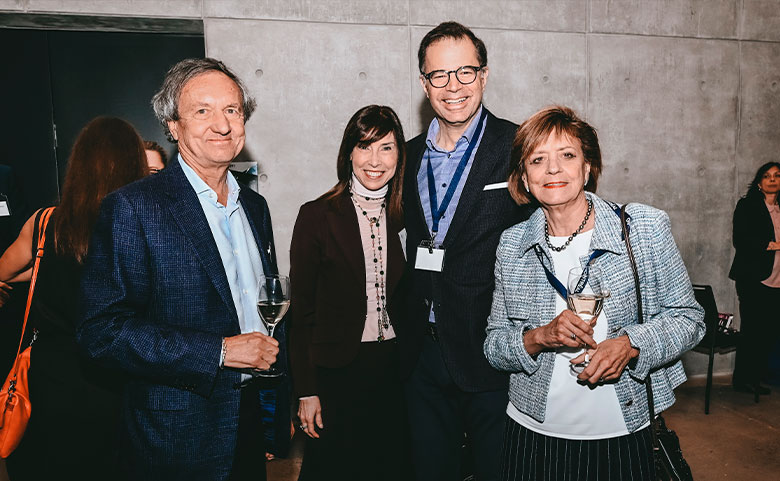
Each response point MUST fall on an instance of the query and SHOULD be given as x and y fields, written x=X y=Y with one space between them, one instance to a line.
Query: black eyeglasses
x=440 y=78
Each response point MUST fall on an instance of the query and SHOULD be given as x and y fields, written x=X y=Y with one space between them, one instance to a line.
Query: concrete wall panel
x=666 y=116
x=544 y=15
x=528 y=70
x=156 y=8
x=761 y=20
x=759 y=141
x=308 y=80
x=386 y=12
x=683 y=18
x=17 y=5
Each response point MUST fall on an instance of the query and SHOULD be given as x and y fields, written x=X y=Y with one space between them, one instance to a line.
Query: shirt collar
x=434 y=127
x=201 y=187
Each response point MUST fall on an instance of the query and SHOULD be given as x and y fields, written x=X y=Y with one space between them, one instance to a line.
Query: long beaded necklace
x=571 y=237
x=379 y=266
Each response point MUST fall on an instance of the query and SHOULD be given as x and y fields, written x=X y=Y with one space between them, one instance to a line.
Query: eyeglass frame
x=477 y=69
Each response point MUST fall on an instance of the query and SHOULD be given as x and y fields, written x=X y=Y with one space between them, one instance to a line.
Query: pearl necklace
x=571 y=237
x=383 y=322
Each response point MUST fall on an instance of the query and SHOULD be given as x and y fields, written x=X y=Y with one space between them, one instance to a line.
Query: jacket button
x=630 y=402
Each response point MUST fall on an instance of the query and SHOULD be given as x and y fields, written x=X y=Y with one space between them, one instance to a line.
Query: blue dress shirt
x=444 y=164
x=236 y=244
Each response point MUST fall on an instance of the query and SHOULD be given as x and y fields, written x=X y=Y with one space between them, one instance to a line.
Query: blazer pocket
x=161 y=398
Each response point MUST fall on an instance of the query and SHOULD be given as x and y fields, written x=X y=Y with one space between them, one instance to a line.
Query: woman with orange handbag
x=73 y=429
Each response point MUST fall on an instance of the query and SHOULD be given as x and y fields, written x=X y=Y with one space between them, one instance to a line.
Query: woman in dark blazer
x=756 y=270
x=346 y=264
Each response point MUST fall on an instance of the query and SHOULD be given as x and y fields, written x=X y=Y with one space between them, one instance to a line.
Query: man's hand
x=251 y=350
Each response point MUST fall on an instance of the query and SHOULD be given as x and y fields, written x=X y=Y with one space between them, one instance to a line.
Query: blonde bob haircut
x=534 y=131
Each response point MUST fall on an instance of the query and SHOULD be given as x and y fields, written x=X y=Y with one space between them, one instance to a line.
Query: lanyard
x=559 y=287
x=437 y=213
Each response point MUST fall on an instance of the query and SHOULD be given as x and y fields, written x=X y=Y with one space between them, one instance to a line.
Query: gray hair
x=166 y=101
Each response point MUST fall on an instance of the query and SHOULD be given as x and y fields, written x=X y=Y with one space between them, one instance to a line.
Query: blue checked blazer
x=156 y=305
x=523 y=297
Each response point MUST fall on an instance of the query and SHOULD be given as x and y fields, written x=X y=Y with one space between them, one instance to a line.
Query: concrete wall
x=684 y=93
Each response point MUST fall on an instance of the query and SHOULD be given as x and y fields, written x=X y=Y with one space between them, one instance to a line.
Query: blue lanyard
x=437 y=213
x=558 y=285
x=584 y=278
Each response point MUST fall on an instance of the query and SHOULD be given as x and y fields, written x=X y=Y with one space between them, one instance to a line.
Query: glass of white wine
x=273 y=300
x=586 y=294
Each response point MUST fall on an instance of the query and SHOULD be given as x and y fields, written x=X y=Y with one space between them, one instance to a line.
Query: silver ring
x=304 y=426
x=573 y=337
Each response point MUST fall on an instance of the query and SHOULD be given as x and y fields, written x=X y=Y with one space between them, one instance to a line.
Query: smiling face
x=210 y=129
x=556 y=171
x=770 y=182
x=455 y=104
x=374 y=164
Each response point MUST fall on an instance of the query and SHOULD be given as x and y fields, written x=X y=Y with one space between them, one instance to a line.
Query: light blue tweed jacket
x=673 y=320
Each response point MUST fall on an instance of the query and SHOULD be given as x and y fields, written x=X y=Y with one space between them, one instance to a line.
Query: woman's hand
x=566 y=330
x=607 y=361
x=5 y=293
x=310 y=412
x=773 y=246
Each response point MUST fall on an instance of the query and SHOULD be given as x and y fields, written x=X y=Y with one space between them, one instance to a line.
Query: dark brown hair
x=531 y=133
x=753 y=190
x=155 y=147
x=452 y=30
x=108 y=154
x=366 y=126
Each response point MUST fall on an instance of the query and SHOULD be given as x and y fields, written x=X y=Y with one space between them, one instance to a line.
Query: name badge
x=429 y=259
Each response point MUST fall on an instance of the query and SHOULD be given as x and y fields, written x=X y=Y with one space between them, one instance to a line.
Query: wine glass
x=586 y=294
x=273 y=300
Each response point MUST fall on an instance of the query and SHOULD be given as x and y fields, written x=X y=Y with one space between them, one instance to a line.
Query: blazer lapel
x=186 y=210
x=255 y=211
x=484 y=161
x=411 y=184
x=395 y=257
x=343 y=223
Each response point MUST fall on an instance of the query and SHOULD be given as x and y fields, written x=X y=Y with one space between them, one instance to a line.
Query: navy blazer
x=157 y=304
x=753 y=231
x=463 y=291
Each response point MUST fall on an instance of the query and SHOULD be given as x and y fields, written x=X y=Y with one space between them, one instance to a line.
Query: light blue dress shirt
x=444 y=164
x=236 y=245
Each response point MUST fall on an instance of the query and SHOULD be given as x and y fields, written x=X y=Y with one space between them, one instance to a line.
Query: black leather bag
x=670 y=465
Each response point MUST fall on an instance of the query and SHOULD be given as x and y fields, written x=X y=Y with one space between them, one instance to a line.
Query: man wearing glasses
x=456 y=205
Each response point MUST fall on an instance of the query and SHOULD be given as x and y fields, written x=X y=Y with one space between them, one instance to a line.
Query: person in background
x=156 y=157
x=756 y=270
x=346 y=267
x=169 y=291
x=592 y=423
x=456 y=205
x=74 y=428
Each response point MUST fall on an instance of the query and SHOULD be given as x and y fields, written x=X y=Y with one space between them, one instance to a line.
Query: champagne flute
x=586 y=294
x=273 y=300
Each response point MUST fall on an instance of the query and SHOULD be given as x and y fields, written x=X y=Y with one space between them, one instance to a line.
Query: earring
x=587 y=178
x=525 y=184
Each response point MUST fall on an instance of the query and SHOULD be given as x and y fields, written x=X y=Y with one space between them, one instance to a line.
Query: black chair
x=717 y=339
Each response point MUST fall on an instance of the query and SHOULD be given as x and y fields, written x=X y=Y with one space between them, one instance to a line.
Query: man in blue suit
x=169 y=291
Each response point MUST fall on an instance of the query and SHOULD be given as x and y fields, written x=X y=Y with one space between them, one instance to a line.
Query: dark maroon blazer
x=328 y=276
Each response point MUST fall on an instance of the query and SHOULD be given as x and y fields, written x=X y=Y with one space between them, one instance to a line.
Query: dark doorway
x=56 y=81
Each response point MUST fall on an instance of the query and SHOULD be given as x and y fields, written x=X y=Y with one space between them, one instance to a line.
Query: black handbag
x=670 y=465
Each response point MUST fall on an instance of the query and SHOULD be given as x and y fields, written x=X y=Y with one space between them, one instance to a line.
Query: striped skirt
x=530 y=456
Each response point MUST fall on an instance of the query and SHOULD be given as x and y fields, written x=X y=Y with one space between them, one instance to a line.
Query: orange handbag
x=15 y=395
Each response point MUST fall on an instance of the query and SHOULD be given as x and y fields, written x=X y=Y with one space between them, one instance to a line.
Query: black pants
x=530 y=456
x=759 y=310
x=439 y=414
x=249 y=461
x=365 y=434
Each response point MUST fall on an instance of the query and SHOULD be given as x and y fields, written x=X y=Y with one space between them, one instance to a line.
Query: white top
x=575 y=410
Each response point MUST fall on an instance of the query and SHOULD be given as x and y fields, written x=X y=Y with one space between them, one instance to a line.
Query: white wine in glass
x=586 y=294
x=273 y=300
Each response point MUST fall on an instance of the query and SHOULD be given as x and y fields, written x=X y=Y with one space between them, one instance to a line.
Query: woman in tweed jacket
x=596 y=425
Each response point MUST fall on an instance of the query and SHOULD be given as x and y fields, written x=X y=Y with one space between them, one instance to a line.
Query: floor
x=738 y=440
